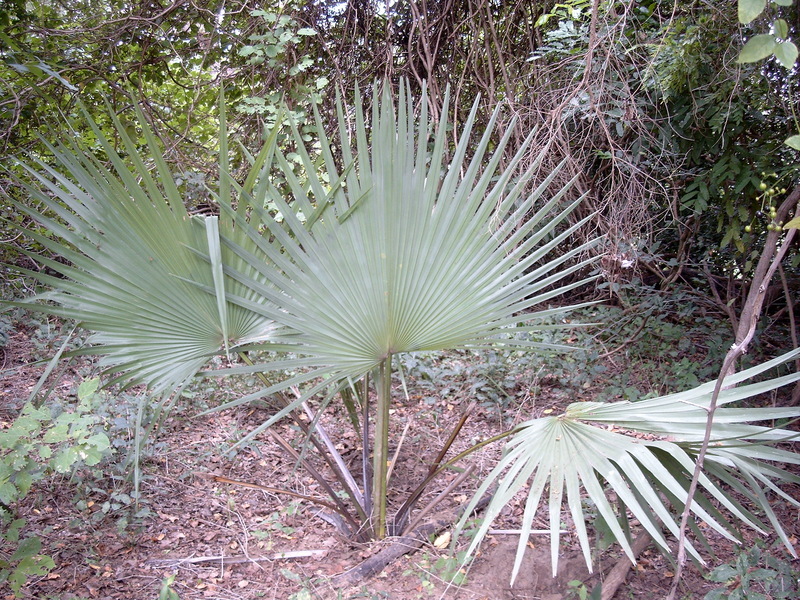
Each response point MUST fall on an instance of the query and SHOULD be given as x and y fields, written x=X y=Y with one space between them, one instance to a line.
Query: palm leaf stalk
x=644 y=452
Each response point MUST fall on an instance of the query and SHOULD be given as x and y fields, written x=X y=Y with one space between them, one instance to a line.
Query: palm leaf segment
x=644 y=452
x=133 y=251
x=406 y=253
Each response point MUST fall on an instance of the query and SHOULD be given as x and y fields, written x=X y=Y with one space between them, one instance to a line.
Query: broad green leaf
x=56 y=434
x=786 y=53
x=13 y=529
x=781 y=28
x=750 y=9
x=757 y=48
x=722 y=573
x=64 y=460
x=87 y=388
x=8 y=493
x=31 y=566
x=793 y=142
x=28 y=547
x=90 y=455
x=98 y=441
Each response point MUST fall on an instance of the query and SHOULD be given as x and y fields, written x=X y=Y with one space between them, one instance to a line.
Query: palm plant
x=396 y=251
x=390 y=244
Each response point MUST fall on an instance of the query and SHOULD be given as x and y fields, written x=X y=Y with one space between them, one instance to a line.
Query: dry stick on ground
x=402 y=545
x=751 y=311
x=235 y=560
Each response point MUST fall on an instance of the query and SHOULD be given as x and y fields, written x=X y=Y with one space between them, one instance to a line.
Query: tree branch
x=751 y=312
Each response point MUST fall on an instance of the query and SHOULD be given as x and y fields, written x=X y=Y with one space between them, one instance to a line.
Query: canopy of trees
x=679 y=146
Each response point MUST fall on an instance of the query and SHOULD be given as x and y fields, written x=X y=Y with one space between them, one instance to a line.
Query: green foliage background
x=679 y=146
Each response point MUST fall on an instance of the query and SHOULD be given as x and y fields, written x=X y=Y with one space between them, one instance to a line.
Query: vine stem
x=753 y=311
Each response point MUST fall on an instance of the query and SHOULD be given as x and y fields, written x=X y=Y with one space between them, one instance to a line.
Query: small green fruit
x=748 y=229
x=762 y=186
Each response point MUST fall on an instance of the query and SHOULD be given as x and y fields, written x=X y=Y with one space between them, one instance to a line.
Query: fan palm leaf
x=131 y=251
x=644 y=453
x=411 y=254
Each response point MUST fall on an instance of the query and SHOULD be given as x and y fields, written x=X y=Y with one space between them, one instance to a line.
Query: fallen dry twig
x=235 y=560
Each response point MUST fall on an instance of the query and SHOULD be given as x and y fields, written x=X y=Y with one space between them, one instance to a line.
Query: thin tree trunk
x=755 y=296
x=380 y=459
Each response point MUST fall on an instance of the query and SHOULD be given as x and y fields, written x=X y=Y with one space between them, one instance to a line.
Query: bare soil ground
x=208 y=539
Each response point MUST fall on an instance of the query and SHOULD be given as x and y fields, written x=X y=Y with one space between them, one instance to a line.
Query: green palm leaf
x=411 y=254
x=644 y=452
x=131 y=247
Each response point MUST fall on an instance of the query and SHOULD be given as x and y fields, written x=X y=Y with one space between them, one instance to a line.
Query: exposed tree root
x=400 y=546
x=616 y=576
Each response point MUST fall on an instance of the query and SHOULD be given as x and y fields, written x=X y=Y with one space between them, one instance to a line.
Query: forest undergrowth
x=80 y=449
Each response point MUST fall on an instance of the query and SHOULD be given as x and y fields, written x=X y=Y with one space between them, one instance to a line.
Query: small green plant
x=26 y=561
x=577 y=589
x=448 y=568
x=311 y=589
x=39 y=444
x=754 y=575
x=363 y=593
x=166 y=592
x=305 y=592
x=273 y=524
